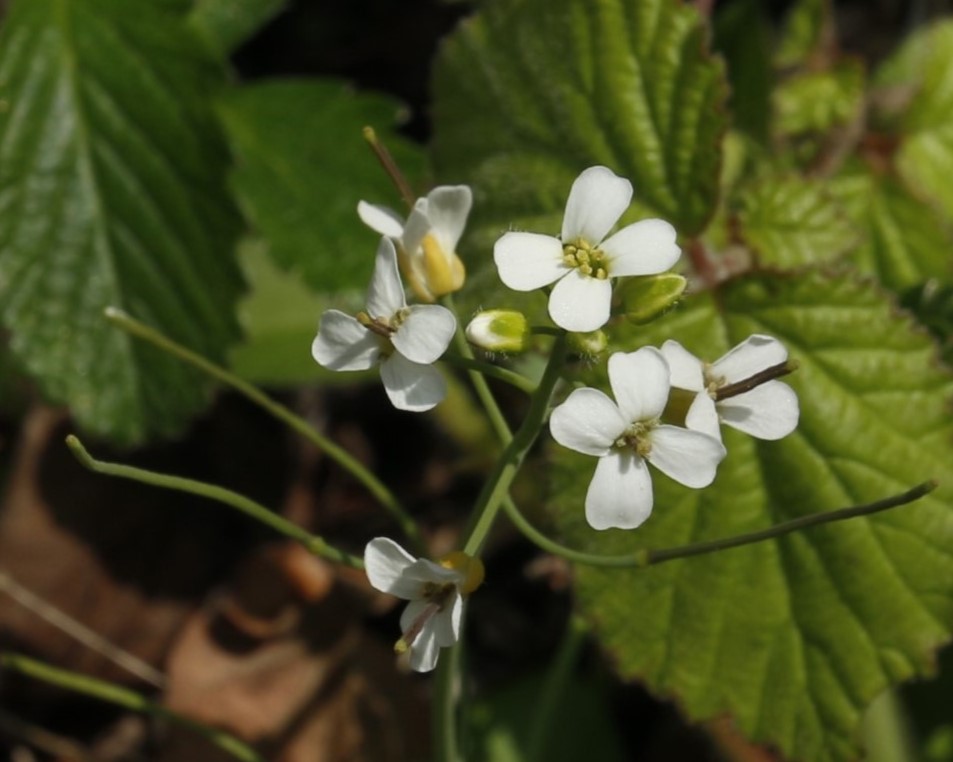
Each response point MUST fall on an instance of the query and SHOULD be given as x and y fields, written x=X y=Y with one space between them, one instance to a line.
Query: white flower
x=431 y=620
x=403 y=340
x=428 y=239
x=767 y=411
x=625 y=433
x=580 y=262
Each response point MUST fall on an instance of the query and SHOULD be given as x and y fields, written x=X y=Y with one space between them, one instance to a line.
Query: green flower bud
x=499 y=331
x=588 y=344
x=647 y=297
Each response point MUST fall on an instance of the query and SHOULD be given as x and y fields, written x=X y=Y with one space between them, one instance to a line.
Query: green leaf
x=924 y=66
x=814 y=102
x=501 y=723
x=789 y=221
x=112 y=193
x=904 y=241
x=742 y=36
x=793 y=637
x=807 y=28
x=932 y=303
x=528 y=93
x=226 y=24
x=279 y=316
x=302 y=167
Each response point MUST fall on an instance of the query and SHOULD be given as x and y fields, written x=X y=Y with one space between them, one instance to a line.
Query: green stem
x=497 y=485
x=446 y=690
x=476 y=377
x=249 y=507
x=114 y=694
x=643 y=558
x=885 y=731
x=554 y=689
x=478 y=368
x=338 y=454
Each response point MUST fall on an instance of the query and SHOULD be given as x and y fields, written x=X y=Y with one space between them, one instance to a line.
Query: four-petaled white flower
x=625 y=434
x=431 y=620
x=428 y=239
x=769 y=410
x=580 y=262
x=403 y=340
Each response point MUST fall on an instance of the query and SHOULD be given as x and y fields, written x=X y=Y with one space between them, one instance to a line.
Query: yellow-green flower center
x=636 y=438
x=586 y=258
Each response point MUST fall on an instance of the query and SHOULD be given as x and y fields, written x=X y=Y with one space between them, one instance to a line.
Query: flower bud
x=647 y=297
x=499 y=331
x=588 y=344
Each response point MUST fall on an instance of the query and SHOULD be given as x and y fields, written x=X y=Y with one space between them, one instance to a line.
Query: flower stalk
x=646 y=557
x=313 y=543
x=125 y=698
x=296 y=423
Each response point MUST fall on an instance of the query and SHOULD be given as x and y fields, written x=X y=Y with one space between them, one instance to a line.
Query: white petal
x=386 y=564
x=424 y=571
x=527 y=261
x=688 y=457
x=380 y=219
x=686 y=370
x=411 y=613
x=597 y=199
x=587 y=422
x=425 y=333
x=769 y=411
x=447 y=622
x=639 y=383
x=580 y=303
x=424 y=651
x=643 y=248
x=447 y=208
x=702 y=416
x=410 y=385
x=343 y=343
x=620 y=493
x=417 y=226
x=385 y=295
x=754 y=354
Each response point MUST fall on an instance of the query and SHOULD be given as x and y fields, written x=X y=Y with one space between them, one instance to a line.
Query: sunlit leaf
x=112 y=192
x=789 y=221
x=528 y=93
x=792 y=637
x=303 y=165
x=922 y=73
x=903 y=241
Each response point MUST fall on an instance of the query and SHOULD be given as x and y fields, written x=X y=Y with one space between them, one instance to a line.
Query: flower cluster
x=627 y=432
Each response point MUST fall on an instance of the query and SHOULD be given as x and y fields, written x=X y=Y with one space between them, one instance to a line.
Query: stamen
x=589 y=260
x=375 y=325
x=437 y=596
x=634 y=438
x=411 y=633
x=768 y=374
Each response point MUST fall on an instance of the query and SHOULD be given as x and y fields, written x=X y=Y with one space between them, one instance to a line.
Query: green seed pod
x=647 y=297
